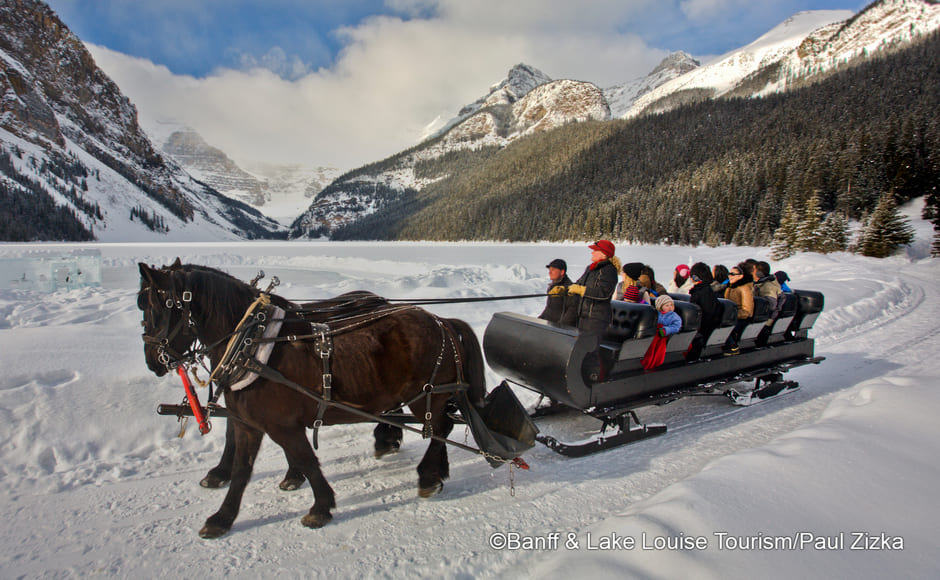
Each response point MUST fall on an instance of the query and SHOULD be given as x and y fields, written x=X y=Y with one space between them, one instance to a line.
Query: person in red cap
x=595 y=287
x=681 y=282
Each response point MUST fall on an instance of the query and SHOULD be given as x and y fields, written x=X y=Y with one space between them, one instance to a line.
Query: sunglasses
x=734 y=274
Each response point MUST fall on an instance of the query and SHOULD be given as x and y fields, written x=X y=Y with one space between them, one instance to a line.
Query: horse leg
x=299 y=452
x=222 y=473
x=219 y=475
x=247 y=443
x=434 y=467
x=387 y=439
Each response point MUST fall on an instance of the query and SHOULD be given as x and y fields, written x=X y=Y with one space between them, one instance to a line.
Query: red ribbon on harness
x=193 y=401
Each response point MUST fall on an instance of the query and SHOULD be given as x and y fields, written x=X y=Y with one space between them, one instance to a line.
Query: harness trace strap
x=204 y=425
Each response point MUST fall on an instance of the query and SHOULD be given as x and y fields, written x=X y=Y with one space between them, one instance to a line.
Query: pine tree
x=809 y=236
x=835 y=233
x=886 y=230
x=784 y=244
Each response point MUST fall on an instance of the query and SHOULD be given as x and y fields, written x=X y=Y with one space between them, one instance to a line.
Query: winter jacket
x=561 y=308
x=684 y=289
x=599 y=280
x=704 y=297
x=742 y=294
x=671 y=322
x=768 y=287
x=655 y=288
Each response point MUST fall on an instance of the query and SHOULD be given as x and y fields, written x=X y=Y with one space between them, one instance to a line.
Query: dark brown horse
x=383 y=356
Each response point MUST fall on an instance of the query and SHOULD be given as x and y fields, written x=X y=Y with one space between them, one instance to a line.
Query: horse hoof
x=426 y=492
x=212 y=531
x=386 y=450
x=211 y=481
x=290 y=483
x=316 y=520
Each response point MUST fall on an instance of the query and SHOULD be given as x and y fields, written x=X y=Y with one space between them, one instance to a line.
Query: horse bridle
x=162 y=340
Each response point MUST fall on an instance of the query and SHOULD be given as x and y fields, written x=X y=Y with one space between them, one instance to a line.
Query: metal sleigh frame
x=548 y=359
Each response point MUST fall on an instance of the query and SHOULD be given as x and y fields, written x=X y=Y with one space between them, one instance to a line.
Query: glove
x=556 y=290
x=576 y=289
x=661 y=332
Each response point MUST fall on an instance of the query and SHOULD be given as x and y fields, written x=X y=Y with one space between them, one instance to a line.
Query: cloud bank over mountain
x=414 y=60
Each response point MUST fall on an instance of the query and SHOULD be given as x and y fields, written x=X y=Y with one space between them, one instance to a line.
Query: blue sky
x=348 y=82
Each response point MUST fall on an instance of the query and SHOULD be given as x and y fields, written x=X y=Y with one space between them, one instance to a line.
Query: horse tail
x=474 y=370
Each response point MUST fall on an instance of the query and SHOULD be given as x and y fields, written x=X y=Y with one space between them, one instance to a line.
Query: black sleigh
x=549 y=359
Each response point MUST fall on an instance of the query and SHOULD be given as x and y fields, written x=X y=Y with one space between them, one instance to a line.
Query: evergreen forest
x=718 y=171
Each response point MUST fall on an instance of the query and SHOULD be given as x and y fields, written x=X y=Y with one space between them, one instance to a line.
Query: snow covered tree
x=784 y=244
x=809 y=236
x=835 y=233
x=886 y=230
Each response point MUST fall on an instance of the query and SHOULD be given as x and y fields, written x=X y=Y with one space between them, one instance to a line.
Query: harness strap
x=325 y=348
x=274 y=375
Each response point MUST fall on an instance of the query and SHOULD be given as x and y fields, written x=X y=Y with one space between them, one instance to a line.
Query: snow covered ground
x=94 y=483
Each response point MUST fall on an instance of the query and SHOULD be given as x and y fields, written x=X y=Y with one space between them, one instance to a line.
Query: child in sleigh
x=667 y=324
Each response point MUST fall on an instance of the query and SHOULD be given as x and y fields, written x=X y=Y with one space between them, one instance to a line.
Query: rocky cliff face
x=58 y=104
x=279 y=191
x=213 y=167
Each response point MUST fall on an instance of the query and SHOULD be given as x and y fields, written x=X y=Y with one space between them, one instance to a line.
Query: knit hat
x=683 y=270
x=663 y=300
x=631 y=293
x=633 y=270
x=603 y=246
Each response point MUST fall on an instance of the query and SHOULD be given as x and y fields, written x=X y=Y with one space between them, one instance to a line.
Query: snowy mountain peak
x=521 y=79
x=679 y=62
x=805 y=46
x=621 y=97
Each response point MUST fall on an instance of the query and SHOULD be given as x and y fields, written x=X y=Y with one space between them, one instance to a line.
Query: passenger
x=704 y=297
x=630 y=274
x=720 y=279
x=741 y=292
x=768 y=287
x=560 y=308
x=632 y=294
x=782 y=279
x=667 y=324
x=681 y=282
x=596 y=287
x=648 y=280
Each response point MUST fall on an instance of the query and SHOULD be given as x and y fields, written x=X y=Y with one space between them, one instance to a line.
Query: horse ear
x=152 y=275
x=145 y=271
x=177 y=264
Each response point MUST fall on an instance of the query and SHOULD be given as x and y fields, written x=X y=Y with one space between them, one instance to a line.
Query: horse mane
x=232 y=296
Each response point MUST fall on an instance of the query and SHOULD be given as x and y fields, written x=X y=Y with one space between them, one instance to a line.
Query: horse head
x=167 y=318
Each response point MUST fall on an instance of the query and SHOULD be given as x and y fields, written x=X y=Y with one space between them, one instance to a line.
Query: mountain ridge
x=71 y=136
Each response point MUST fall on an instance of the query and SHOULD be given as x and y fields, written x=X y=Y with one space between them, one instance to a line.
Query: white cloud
x=393 y=77
x=705 y=10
